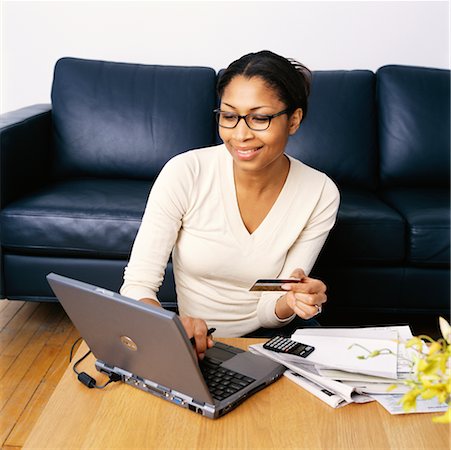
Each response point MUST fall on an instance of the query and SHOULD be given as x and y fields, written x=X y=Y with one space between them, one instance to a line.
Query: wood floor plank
x=35 y=340
x=54 y=339
x=26 y=360
x=8 y=312
x=14 y=327
x=41 y=316
x=17 y=402
x=3 y=303
x=36 y=319
x=33 y=410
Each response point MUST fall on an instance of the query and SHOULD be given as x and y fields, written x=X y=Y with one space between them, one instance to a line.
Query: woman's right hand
x=198 y=329
x=195 y=328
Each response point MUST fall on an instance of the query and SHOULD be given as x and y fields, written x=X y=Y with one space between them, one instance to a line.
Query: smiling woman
x=240 y=211
x=265 y=123
x=260 y=165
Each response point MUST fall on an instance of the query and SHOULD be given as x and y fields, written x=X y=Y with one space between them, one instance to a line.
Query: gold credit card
x=272 y=284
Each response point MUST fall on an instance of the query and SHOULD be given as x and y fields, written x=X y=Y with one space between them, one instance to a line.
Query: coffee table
x=282 y=416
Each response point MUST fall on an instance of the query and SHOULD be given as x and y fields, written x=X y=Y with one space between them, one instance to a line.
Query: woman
x=240 y=211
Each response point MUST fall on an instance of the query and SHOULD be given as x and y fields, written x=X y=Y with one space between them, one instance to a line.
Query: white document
x=342 y=375
x=367 y=384
x=334 y=373
x=392 y=405
x=331 y=398
x=308 y=371
x=342 y=352
x=404 y=333
x=378 y=388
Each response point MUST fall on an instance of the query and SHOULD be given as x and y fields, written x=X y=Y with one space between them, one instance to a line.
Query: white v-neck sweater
x=193 y=212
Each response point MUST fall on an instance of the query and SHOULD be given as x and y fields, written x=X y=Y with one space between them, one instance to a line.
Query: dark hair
x=289 y=78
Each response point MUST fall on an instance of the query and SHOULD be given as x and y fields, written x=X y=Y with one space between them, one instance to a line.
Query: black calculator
x=282 y=344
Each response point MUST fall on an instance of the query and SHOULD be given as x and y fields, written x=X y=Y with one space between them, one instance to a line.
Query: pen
x=209 y=332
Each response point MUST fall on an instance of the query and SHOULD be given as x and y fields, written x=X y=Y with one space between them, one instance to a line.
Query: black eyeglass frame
x=266 y=116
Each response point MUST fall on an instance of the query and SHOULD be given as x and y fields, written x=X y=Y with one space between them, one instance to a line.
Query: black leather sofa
x=75 y=176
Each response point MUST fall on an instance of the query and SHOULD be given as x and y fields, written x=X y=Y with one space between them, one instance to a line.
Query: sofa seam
x=72 y=217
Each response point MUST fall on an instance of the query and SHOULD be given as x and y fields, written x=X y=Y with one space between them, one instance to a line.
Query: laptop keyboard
x=222 y=382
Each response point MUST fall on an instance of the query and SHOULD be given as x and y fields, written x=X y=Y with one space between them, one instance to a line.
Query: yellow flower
x=444 y=418
x=434 y=348
x=432 y=392
x=409 y=399
x=427 y=366
x=445 y=329
x=442 y=396
x=444 y=363
x=431 y=370
x=416 y=343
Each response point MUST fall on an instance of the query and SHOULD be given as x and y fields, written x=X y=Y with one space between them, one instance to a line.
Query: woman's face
x=256 y=150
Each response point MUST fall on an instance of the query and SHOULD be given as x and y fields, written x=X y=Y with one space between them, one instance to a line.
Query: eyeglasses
x=256 y=122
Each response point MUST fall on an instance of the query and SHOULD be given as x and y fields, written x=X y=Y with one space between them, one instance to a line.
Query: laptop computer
x=147 y=347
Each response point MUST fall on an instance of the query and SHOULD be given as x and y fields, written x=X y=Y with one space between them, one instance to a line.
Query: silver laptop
x=148 y=348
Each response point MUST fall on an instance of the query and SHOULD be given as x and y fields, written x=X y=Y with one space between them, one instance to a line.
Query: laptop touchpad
x=219 y=354
x=254 y=366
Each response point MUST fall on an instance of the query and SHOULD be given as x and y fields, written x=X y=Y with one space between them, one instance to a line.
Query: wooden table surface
x=282 y=416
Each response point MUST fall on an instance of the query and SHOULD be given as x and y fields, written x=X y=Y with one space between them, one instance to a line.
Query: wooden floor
x=35 y=342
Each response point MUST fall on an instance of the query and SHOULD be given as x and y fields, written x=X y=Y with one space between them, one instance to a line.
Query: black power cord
x=86 y=379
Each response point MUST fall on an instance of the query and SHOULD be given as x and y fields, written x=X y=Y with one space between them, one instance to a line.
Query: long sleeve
x=304 y=251
x=166 y=206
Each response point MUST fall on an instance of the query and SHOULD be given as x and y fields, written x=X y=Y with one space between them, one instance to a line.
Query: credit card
x=272 y=284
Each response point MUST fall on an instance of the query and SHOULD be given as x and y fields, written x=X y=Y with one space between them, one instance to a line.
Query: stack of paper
x=334 y=373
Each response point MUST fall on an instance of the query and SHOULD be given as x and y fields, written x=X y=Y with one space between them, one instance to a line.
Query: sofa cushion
x=26 y=275
x=414 y=131
x=359 y=291
x=367 y=230
x=126 y=120
x=338 y=135
x=79 y=217
x=426 y=212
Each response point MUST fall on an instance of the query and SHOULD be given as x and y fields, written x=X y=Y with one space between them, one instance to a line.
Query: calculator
x=282 y=344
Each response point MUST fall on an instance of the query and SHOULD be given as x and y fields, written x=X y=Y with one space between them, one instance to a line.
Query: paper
x=378 y=388
x=350 y=376
x=403 y=332
x=343 y=352
x=366 y=384
x=332 y=361
x=308 y=371
x=392 y=405
x=331 y=398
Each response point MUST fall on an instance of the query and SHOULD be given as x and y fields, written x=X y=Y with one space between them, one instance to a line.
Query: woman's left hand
x=307 y=297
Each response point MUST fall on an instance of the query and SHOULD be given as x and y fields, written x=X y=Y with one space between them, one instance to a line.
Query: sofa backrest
x=414 y=126
x=126 y=120
x=338 y=136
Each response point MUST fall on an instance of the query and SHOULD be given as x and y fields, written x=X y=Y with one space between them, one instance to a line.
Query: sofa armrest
x=25 y=151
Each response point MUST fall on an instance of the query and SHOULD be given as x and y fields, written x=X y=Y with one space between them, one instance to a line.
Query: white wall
x=322 y=35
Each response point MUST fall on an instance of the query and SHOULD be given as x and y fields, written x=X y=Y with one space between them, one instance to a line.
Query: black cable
x=73 y=347
x=86 y=379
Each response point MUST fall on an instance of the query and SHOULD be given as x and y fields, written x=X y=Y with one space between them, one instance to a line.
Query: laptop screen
x=147 y=341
